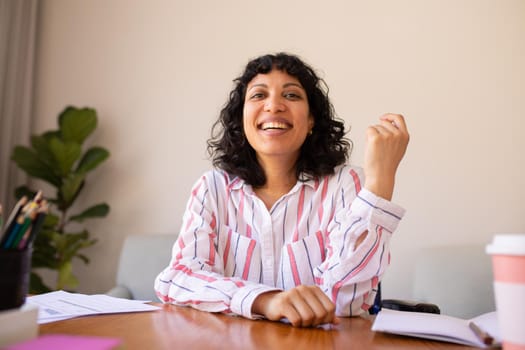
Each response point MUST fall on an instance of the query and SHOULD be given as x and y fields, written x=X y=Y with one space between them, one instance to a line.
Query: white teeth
x=273 y=125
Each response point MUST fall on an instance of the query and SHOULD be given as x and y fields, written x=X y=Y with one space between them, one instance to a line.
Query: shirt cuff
x=242 y=300
x=380 y=211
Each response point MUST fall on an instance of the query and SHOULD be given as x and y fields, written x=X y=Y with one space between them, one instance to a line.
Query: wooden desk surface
x=185 y=328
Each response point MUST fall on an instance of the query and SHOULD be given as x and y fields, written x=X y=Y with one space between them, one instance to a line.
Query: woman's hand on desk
x=303 y=306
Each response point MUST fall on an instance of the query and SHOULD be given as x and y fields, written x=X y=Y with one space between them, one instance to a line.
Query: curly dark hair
x=320 y=153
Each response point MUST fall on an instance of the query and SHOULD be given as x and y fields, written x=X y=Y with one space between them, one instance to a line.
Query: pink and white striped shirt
x=231 y=248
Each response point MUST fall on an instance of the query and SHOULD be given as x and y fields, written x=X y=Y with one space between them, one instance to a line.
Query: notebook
x=438 y=327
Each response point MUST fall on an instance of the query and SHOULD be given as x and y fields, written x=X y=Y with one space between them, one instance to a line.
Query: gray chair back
x=456 y=278
x=142 y=258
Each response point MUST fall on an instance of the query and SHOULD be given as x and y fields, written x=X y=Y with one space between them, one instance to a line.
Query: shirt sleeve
x=350 y=274
x=195 y=275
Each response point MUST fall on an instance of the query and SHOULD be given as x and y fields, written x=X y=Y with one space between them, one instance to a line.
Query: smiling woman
x=283 y=228
x=276 y=119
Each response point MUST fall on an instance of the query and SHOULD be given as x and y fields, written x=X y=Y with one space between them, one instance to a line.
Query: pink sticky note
x=67 y=342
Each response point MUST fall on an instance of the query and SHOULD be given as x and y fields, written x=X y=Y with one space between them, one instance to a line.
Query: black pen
x=36 y=226
x=482 y=335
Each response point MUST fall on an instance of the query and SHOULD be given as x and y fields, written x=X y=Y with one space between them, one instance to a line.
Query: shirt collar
x=237 y=183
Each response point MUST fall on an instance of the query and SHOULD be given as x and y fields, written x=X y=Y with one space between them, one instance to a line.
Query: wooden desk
x=185 y=328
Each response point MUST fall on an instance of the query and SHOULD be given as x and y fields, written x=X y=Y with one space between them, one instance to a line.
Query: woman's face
x=276 y=116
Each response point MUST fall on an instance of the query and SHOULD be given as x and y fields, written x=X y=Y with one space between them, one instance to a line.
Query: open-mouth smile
x=274 y=126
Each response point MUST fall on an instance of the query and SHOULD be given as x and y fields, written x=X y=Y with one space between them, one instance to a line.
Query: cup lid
x=507 y=244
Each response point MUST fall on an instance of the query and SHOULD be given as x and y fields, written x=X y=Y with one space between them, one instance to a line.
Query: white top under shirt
x=231 y=248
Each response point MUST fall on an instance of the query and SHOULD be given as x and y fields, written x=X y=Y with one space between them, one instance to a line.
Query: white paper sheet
x=61 y=305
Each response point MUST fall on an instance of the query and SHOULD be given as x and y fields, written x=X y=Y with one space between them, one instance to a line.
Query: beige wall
x=158 y=72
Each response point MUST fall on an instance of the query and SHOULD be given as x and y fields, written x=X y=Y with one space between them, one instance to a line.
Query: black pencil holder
x=15 y=268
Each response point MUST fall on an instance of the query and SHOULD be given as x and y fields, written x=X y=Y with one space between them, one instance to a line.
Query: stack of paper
x=60 y=305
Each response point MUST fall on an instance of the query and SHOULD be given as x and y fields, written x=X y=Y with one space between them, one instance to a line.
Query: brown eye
x=292 y=96
x=256 y=96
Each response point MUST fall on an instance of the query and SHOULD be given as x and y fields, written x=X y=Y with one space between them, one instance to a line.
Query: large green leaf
x=59 y=241
x=96 y=211
x=77 y=124
x=69 y=244
x=65 y=154
x=92 y=158
x=66 y=279
x=78 y=191
x=48 y=135
x=70 y=187
x=41 y=146
x=28 y=161
x=51 y=221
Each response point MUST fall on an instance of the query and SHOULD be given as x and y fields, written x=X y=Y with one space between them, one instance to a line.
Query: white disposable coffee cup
x=508 y=261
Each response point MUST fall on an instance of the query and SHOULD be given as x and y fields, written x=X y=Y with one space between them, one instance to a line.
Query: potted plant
x=57 y=157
